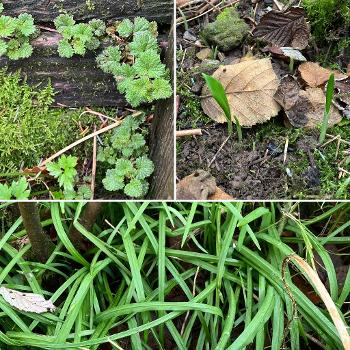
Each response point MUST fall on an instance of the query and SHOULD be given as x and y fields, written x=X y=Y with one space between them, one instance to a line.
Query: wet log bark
x=48 y=10
x=162 y=141
x=77 y=80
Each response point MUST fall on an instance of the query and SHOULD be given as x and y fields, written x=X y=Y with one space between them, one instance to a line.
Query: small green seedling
x=18 y=190
x=219 y=94
x=64 y=170
x=327 y=111
x=15 y=35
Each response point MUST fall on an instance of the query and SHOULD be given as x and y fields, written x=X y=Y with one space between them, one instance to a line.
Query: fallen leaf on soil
x=250 y=87
x=288 y=28
x=314 y=75
x=309 y=110
x=342 y=89
x=28 y=302
x=287 y=93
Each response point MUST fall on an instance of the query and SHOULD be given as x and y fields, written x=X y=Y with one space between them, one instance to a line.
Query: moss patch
x=227 y=32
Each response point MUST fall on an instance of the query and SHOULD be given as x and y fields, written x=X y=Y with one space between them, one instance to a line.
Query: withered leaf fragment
x=250 y=87
x=288 y=28
x=28 y=302
x=287 y=93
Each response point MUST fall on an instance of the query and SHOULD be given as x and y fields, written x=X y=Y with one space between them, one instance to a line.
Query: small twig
x=93 y=172
x=221 y=147
x=285 y=150
x=76 y=143
x=191 y=132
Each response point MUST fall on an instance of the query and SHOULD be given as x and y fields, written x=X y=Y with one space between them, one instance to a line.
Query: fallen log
x=48 y=10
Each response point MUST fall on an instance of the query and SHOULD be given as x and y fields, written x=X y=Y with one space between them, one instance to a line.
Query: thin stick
x=285 y=150
x=191 y=132
x=221 y=147
x=64 y=150
x=93 y=173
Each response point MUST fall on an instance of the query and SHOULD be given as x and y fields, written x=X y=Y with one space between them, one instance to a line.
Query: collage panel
x=86 y=100
x=141 y=275
x=263 y=100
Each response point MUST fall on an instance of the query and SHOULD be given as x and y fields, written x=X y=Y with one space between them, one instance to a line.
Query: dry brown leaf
x=250 y=87
x=309 y=110
x=314 y=75
x=288 y=28
x=288 y=92
x=342 y=89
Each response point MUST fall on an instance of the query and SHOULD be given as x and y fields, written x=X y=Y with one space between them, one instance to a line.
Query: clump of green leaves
x=135 y=62
x=17 y=190
x=29 y=129
x=64 y=170
x=126 y=151
x=78 y=37
x=15 y=35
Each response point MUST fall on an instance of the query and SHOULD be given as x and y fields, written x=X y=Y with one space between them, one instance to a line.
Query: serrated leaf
x=109 y=60
x=7 y=26
x=142 y=42
x=141 y=24
x=54 y=169
x=148 y=64
x=145 y=167
x=134 y=189
x=5 y=192
x=124 y=167
x=66 y=162
x=161 y=89
x=288 y=28
x=26 y=24
x=28 y=302
x=19 y=189
x=65 y=49
x=125 y=28
x=63 y=21
x=3 y=48
x=112 y=182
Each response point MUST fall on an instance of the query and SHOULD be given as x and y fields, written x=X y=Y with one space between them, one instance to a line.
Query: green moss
x=227 y=32
x=29 y=129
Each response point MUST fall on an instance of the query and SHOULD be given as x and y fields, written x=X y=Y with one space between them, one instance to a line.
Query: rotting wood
x=48 y=10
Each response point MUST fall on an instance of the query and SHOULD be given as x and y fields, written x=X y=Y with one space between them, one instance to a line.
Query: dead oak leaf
x=250 y=87
x=28 y=302
x=288 y=28
x=287 y=93
x=308 y=111
x=314 y=75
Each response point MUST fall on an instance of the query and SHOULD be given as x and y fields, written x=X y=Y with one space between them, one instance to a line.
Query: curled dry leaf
x=309 y=110
x=314 y=75
x=288 y=28
x=250 y=87
x=287 y=93
x=28 y=302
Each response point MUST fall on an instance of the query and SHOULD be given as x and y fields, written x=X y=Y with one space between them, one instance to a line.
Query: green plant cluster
x=126 y=151
x=136 y=63
x=15 y=35
x=17 y=190
x=64 y=170
x=78 y=37
x=29 y=129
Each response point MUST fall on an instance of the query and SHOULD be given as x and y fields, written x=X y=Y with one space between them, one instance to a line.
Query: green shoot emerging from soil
x=126 y=151
x=327 y=111
x=135 y=63
x=15 y=33
x=220 y=97
x=78 y=38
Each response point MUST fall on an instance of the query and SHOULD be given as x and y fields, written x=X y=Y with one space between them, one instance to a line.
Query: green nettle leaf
x=19 y=189
x=79 y=47
x=63 y=21
x=134 y=189
x=141 y=24
x=3 y=48
x=5 y=192
x=83 y=32
x=1 y=7
x=112 y=182
x=54 y=169
x=84 y=192
x=98 y=27
x=7 y=26
x=137 y=91
x=145 y=167
x=65 y=49
x=109 y=60
x=25 y=50
x=142 y=42
x=149 y=64
x=125 y=28
x=124 y=167
x=26 y=24
x=161 y=89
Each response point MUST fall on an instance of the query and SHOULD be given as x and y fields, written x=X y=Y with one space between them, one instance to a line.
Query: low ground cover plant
x=183 y=275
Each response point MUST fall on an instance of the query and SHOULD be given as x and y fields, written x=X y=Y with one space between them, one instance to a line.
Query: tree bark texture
x=42 y=246
x=162 y=140
x=48 y=10
x=87 y=219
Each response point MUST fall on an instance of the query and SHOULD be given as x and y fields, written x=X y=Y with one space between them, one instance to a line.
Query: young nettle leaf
x=64 y=170
x=125 y=28
x=148 y=64
x=113 y=182
x=145 y=167
x=7 y=26
x=63 y=21
x=109 y=60
x=124 y=167
x=18 y=190
x=65 y=49
x=3 y=48
x=142 y=42
x=5 y=192
x=25 y=24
